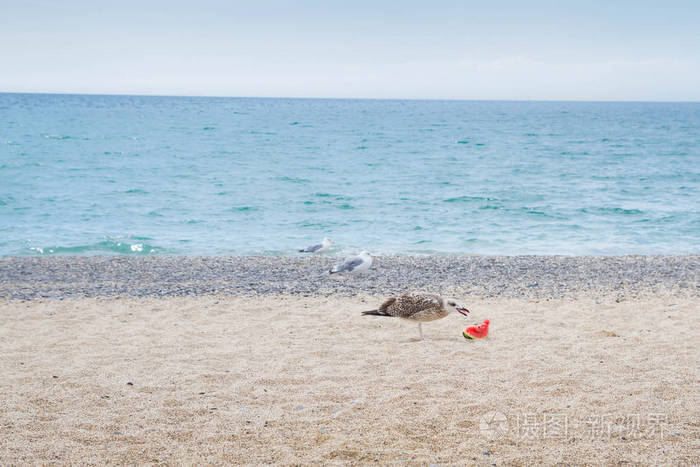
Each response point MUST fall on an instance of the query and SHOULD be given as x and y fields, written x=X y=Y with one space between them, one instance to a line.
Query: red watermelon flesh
x=477 y=332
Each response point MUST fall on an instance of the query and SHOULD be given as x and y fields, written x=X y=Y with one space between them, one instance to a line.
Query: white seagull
x=355 y=264
x=319 y=247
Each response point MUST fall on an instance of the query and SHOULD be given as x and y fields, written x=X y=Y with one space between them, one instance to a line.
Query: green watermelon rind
x=469 y=336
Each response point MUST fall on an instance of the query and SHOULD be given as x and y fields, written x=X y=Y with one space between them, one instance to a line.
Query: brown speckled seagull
x=419 y=308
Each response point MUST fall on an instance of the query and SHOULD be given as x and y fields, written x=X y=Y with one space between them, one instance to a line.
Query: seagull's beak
x=463 y=311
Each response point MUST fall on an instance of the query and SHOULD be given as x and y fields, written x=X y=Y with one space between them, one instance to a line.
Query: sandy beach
x=587 y=372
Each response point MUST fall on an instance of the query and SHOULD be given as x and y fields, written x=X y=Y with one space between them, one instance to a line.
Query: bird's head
x=327 y=241
x=453 y=307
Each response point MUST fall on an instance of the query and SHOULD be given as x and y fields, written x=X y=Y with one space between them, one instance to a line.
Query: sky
x=615 y=50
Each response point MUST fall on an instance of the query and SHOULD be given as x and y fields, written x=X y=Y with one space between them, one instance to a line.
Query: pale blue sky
x=558 y=50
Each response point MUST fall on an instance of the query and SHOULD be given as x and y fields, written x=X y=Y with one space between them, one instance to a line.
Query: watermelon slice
x=477 y=332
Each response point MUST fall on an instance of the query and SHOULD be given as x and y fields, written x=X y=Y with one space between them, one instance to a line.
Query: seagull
x=355 y=264
x=319 y=247
x=419 y=308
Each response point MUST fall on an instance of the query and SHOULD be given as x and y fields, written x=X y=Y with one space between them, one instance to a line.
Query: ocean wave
x=243 y=209
x=535 y=212
x=103 y=247
x=611 y=210
x=468 y=199
x=58 y=137
x=292 y=179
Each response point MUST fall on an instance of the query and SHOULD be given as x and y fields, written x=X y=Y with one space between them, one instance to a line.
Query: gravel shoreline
x=624 y=277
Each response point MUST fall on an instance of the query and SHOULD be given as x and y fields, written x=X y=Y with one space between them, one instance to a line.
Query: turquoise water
x=181 y=175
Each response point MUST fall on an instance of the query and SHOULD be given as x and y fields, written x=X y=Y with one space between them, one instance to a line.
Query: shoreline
x=540 y=277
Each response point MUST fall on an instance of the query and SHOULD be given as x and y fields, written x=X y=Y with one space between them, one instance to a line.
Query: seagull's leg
x=420 y=330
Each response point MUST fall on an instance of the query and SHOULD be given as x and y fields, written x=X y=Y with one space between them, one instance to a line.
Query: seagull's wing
x=312 y=248
x=410 y=305
x=384 y=308
x=349 y=265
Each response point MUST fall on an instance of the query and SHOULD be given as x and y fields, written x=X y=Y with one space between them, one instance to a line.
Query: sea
x=148 y=175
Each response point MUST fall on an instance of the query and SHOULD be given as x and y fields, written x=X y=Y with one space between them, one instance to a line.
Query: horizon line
x=211 y=96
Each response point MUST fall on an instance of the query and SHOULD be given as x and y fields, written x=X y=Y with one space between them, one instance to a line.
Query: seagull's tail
x=302 y=251
x=333 y=272
x=376 y=313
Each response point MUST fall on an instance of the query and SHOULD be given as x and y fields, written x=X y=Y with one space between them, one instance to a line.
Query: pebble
x=535 y=277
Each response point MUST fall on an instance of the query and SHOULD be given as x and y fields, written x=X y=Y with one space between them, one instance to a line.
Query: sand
x=278 y=379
